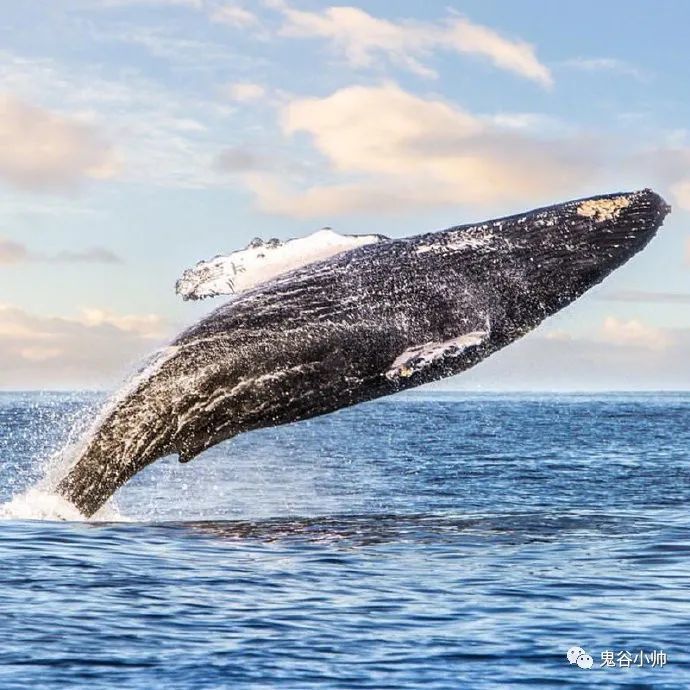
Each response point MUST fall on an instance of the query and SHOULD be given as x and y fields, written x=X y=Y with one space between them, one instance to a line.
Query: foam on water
x=34 y=489
x=38 y=503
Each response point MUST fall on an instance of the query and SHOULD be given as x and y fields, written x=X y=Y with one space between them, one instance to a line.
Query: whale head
x=581 y=242
x=532 y=265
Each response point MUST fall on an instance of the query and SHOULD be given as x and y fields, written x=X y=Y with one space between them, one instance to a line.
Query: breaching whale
x=337 y=320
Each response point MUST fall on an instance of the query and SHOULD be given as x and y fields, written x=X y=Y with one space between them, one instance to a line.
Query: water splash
x=50 y=443
x=42 y=504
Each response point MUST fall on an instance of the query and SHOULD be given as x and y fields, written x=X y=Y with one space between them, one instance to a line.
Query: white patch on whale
x=603 y=209
x=417 y=358
x=262 y=261
x=463 y=242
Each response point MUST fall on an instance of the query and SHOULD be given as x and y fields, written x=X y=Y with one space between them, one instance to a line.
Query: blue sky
x=139 y=136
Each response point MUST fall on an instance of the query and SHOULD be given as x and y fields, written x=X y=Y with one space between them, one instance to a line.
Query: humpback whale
x=336 y=320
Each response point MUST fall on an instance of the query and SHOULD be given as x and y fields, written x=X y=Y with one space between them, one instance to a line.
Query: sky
x=140 y=136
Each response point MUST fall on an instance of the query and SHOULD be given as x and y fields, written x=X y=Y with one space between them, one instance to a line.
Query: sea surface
x=426 y=541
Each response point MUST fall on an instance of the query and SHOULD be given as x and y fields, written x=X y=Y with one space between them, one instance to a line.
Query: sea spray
x=55 y=442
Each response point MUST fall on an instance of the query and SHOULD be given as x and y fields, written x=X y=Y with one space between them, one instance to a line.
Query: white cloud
x=244 y=92
x=145 y=326
x=234 y=15
x=687 y=251
x=92 y=349
x=107 y=4
x=645 y=296
x=239 y=159
x=276 y=197
x=403 y=151
x=163 y=136
x=667 y=165
x=93 y=255
x=12 y=252
x=42 y=150
x=36 y=353
x=559 y=335
x=515 y=56
x=371 y=128
x=231 y=14
x=681 y=194
x=604 y=64
x=634 y=333
x=184 y=50
x=574 y=362
x=364 y=40
x=537 y=123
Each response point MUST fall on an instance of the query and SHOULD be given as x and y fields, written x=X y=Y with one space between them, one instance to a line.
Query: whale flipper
x=262 y=261
x=415 y=360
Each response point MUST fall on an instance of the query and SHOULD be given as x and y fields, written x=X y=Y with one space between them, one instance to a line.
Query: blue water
x=434 y=541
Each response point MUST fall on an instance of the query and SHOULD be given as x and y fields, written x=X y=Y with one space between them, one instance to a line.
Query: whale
x=306 y=333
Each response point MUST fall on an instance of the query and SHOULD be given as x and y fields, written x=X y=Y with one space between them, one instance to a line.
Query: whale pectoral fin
x=417 y=359
x=262 y=261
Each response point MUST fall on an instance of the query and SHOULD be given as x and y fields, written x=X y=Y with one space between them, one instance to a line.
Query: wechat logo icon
x=577 y=655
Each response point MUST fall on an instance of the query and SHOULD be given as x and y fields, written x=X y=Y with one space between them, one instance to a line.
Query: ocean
x=424 y=541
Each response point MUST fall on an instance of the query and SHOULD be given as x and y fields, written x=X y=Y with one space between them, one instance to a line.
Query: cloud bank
x=401 y=151
x=621 y=355
x=365 y=40
x=12 y=252
x=44 y=151
x=93 y=349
